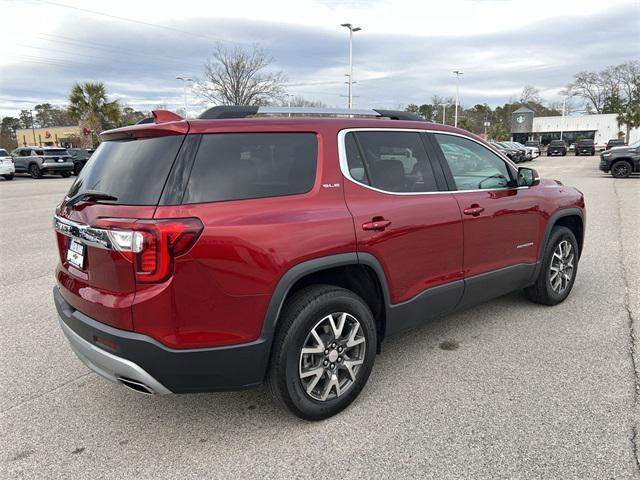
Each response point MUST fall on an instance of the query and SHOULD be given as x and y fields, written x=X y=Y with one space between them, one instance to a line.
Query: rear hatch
x=95 y=233
x=57 y=155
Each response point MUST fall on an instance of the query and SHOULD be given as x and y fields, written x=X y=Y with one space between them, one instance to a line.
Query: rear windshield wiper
x=89 y=195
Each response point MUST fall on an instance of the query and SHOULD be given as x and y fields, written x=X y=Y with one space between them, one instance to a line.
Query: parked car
x=524 y=154
x=535 y=145
x=7 y=168
x=39 y=161
x=212 y=254
x=516 y=155
x=585 y=147
x=530 y=152
x=80 y=157
x=557 y=147
x=615 y=143
x=621 y=161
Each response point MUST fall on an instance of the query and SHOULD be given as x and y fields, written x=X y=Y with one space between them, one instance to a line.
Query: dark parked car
x=615 y=143
x=515 y=154
x=39 y=161
x=80 y=157
x=216 y=253
x=585 y=147
x=557 y=147
x=621 y=161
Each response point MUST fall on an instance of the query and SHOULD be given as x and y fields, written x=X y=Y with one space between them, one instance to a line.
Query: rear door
x=501 y=221
x=404 y=219
x=93 y=275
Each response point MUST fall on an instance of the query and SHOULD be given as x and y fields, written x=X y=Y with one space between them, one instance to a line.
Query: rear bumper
x=119 y=354
x=57 y=167
x=7 y=169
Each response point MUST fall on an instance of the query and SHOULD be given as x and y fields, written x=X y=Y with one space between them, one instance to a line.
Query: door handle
x=473 y=210
x=377 y=224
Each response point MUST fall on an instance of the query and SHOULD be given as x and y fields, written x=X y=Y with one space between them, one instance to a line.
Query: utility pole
x=564 y=103
x=352 y=29
x=184 y=85
x=444 y=110
x=458 y=73
x=33 y=128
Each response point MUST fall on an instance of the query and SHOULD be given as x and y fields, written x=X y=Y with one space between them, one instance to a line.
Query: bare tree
x=530 y=94
x=237 y=76
x=589 y=86
x=300 y=101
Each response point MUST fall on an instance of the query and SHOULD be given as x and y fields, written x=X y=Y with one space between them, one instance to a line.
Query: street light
x=458 y=73
x=352 y=29
x=33 y=127
x=184 y=84
x=444 y=110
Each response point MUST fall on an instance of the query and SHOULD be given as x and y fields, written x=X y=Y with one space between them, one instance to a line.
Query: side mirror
x=528 y=177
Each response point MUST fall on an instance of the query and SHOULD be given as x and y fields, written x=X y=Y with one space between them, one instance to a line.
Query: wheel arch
x=573 y=219
x=357 y=272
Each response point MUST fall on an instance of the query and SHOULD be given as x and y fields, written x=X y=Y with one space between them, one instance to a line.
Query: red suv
x=217 y=253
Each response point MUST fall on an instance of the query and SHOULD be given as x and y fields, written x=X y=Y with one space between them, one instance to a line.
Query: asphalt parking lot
x=508 y=389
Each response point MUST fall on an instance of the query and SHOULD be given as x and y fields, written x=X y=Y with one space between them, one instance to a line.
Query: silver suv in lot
x=39 y=161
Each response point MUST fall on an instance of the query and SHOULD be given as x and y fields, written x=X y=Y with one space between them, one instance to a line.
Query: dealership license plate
x=76 y=254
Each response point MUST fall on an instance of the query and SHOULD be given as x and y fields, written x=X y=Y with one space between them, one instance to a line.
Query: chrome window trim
x=96 y=237
x=344 y=166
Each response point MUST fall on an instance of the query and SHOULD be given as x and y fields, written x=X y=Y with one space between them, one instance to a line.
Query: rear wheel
x=323 y=352
x=559 y=268
x=8 y=177
x=34 y=171
x=65 y=174
x=77 y=167
x=621 y=169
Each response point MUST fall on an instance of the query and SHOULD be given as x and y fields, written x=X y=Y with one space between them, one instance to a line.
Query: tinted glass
x=473 y=166
x=134 y=171
x=54 y=152
x=354 y=160
x=557 y=143
x=236 y=166
x=396 y=161
x=3 y=153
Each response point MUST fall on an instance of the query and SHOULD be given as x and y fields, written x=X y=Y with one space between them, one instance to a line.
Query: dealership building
x=69 y=136
x=601 y=128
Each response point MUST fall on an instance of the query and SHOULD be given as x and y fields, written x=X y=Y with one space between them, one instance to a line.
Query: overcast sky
x=404 y=54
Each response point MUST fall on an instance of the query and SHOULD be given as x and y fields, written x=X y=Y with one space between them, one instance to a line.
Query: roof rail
x=243 y=111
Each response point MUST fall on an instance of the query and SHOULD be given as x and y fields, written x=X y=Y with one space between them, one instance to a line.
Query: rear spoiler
x=161 y=116
x=162 y=123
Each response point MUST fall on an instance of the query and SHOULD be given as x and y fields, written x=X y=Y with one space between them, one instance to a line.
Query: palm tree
x=88 y=105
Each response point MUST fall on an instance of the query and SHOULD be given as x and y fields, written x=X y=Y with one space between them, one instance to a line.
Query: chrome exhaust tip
x=136 y=386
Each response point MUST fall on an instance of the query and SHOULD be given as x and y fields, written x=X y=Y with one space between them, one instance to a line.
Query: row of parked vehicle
x=39 y=161
x=516 y=151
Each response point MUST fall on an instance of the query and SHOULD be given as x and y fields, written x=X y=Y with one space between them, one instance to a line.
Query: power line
x=139 y=22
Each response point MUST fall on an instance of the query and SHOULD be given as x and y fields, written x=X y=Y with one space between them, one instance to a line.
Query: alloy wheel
x=331 y=356
x=562 y=267
x=621 y=169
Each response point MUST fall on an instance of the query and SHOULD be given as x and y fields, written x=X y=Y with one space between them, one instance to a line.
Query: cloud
x=500 y=47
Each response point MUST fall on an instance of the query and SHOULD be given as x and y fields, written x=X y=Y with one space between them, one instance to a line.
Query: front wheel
x=323 y=352
x=559 y=267
x=77 y=168
x=621 y=169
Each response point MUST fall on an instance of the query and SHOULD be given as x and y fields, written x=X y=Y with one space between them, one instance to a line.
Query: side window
x=354 y=160
x=394 y=161
x=473 y=166
x=236 y=166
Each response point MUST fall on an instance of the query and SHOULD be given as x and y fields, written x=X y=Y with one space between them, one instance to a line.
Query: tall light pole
x=184 y=85
x=458 y=73
x=33 y=127
x=444 y=109
x=352 y=29
x=564 y=103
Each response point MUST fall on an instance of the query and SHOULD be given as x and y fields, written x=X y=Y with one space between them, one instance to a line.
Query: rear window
x=3 y=153
x=236 y=166
x=133 y=171
x=59 y=152
x=557 y=143
x=587 y=142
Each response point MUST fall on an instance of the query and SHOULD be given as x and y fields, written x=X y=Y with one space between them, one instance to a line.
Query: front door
x=501 y=221
x=405 y=219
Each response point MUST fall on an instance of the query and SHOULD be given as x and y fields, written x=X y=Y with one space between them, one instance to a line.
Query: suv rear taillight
x=151 y=245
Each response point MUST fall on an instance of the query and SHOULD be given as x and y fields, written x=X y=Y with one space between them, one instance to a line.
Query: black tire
x=542 y=291
x=34 y=171
x=65 y=174
x=564 y=154
x=621 y=169
x=300 y=315
x=548 y=154
x=77 y=168
x=8 y=177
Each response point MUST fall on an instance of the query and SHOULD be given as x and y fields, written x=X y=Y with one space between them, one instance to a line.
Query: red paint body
x=219 y=291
